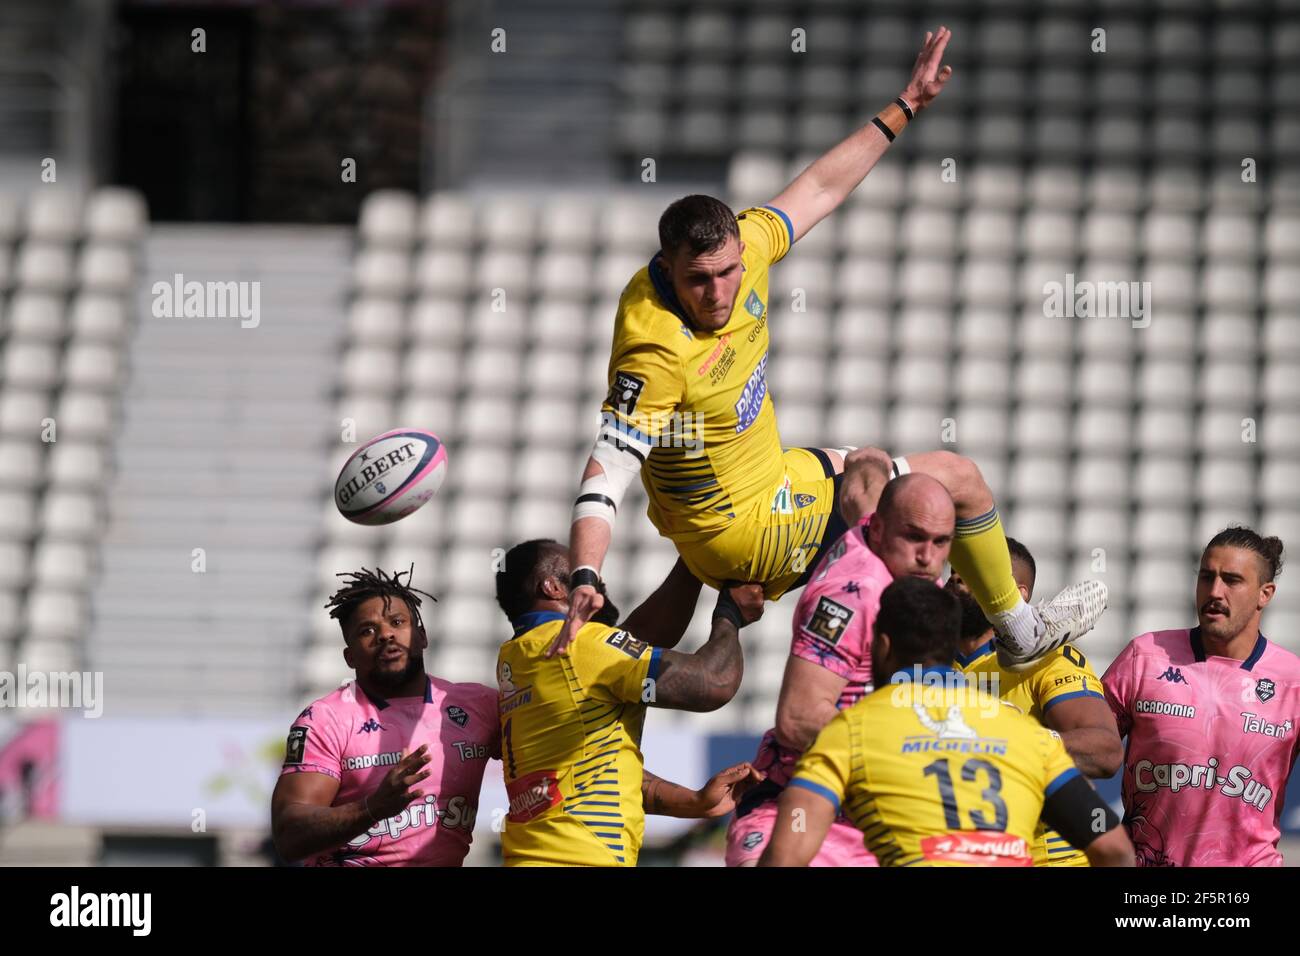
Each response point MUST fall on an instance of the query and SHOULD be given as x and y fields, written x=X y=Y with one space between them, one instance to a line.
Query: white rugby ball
x=390 y=476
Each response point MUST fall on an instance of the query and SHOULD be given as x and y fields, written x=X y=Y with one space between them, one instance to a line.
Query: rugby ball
x=390 y=476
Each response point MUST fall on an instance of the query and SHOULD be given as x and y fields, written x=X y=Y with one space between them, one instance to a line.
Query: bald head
x=912 y=529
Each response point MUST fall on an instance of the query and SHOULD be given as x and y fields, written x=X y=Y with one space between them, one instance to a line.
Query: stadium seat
x=1099 y=526
x=91 y=366
x=114 y=214
x=1229 y=286
x=1103 y=430
x=376 y=321
x=985 y=380
x=383 y=272
x=371 y=371
x=54 y=614
x=36 y=317
x=1229 y=384
x=31 y=365
x=482 y=469
x=883 y=188
x=1044 y=429
x=70 y=515
x=1282 y=286
x=1166 y=383
x=488 y=419
x=1282 y=235
x=1105 y=381
x=1169 y=235
x=1040 y=480
x=506 y=269
x=54 y=216
x=1056 y=187
x=915 y=426
x=432 y=370
x=1109 y=232
x=1162 y=532
x=1228 y=336
x=44 y=266
x=1173 y=284
x=1164 y=430
x=1100 y=478
x=98 y=318
x=448 y=220
x=478 y=519
x=1279 y=483
x=439 y=271
x=803 y=424
x=798 y=378
x=1163 y=479
x=1171 y=334
x=1225 y=481
x=614 y=270
x=388 y=218
x=21 y=464
x=1042 y=381
x=926 y=188
x=1281 y=385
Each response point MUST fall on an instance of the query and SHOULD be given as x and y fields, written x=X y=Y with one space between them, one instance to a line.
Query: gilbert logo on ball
x=390 y=476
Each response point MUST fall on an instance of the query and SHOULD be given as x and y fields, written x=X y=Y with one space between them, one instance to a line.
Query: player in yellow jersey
x=1062 y=693
x=571 y=725
x=689 y=411
x=934 y=771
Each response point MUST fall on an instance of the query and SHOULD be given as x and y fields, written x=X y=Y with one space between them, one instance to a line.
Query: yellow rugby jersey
x=695 y=404
x=937 y=774
x=1065 y=674
x=570 y=744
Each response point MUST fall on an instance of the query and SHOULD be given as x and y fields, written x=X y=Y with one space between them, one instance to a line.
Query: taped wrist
x=620 y=462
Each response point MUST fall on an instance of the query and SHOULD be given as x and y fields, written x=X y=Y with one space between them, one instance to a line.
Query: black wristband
x=907 y=110
x=584 y=577
x=728 y=609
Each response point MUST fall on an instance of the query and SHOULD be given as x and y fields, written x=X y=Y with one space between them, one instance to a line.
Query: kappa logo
x=1174 y=675
x=458 y=715
x=1265 y=689
x=370 y=726
x=306 y=714
x=752 y=839
x=829 y=621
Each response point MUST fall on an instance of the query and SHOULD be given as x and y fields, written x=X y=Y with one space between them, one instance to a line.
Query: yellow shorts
x=776 y=541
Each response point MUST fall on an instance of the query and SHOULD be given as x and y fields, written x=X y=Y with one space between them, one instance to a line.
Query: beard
x=393 y=679
x=973 y=621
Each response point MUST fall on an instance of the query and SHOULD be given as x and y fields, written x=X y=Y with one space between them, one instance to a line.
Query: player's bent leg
x=980 y=555
x=661 y=619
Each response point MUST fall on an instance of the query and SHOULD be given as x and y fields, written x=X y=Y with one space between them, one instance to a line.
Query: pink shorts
x=747 y=839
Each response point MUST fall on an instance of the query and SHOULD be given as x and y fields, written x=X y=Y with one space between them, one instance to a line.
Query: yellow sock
x=980 y=556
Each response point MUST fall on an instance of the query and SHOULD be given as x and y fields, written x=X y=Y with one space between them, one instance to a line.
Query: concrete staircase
x=223 y=448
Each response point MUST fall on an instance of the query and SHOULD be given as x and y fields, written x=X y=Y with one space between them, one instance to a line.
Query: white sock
x=1018 y=628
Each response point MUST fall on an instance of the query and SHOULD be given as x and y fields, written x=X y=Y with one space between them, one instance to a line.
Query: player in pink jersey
x=829 y=668
x=385 y=771
x=1210 y=714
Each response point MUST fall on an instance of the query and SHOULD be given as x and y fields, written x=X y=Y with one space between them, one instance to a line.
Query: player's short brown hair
x=698 y=223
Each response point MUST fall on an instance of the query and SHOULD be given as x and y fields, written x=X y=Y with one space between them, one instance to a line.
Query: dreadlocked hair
x=360 y=586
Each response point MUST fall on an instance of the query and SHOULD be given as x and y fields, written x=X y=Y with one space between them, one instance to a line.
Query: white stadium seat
x=91 y=365
x=98 y=318
x=106 y=268
x=388 y=218
x=22 y=464
x=54 y=215
x=383 y=272
x=376 y=321
x=37 y=317
x=114 y=214
x=45 y=266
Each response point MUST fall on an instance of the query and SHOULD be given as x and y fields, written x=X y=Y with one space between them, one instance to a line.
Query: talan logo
x=1174 y=675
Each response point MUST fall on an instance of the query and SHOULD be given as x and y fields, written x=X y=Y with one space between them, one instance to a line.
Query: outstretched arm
x=716 y=798
x=709 y=678
x=820 y=188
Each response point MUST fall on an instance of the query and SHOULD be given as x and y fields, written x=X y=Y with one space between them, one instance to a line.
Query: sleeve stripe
x=1061 y=780
x=603 y=499
x=655 y=655
x=822 y=791
x=1074 y=693
x=789 y=226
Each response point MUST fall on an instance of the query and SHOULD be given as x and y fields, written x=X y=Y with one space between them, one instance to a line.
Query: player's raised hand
x=928 y=76
x=725 y=789
x=396 y=791
x=584 y=602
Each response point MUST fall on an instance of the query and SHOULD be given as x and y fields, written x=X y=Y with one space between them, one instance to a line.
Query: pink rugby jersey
x=357 y=739
x=1211 y=742
x=832 y=628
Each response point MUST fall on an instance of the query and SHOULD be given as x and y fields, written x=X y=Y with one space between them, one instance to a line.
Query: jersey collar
x=664 y=289
x=381 y=703
x=1198 y=649
x=526 y=622
x=904 y=675
x=965 y=660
